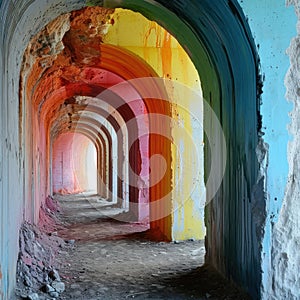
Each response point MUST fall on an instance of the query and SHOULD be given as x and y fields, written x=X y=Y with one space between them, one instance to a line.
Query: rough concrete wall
x=17 y=25
x=273 y=26
x=286 y=232
x=10 y=178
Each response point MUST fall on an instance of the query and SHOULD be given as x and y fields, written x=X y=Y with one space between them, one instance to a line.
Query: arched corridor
x=116 y=91
x=154 y=110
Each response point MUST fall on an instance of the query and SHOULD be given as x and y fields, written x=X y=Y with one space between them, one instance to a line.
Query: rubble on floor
x=111 y=260
x=37 y=277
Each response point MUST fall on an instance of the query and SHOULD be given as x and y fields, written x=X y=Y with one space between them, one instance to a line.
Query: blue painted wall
x=273 y=25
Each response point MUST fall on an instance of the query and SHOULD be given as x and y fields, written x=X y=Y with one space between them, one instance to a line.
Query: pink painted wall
x=73 y=165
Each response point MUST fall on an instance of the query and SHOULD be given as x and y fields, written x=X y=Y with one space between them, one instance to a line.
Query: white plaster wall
x=286 y=232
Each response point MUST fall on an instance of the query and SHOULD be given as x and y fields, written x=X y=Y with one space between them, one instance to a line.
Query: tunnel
x=157 y=91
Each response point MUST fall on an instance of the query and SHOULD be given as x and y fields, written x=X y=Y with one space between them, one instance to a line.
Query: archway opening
x=74 y=164
x=156 y=115
x=65 y=76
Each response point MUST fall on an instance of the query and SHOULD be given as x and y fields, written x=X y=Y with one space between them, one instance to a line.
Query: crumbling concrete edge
x=285 y=254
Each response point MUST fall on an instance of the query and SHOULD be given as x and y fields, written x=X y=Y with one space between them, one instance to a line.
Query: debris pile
x=48 y=220
x=37 y=277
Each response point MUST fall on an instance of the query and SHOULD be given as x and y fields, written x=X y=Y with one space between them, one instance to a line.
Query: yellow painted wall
x=163 y=53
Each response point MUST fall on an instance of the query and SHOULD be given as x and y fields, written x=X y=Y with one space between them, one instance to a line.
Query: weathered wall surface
x=18 y=22
x=286 y=228
x=219 y=42
x=273 y=25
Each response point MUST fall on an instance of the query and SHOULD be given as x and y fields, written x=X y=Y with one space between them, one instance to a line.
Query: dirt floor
x=110 y=259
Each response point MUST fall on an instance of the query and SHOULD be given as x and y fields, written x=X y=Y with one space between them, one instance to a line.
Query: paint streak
x=166 y=56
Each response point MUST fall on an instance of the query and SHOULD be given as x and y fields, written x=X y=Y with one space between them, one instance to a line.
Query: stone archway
x=232 y=240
